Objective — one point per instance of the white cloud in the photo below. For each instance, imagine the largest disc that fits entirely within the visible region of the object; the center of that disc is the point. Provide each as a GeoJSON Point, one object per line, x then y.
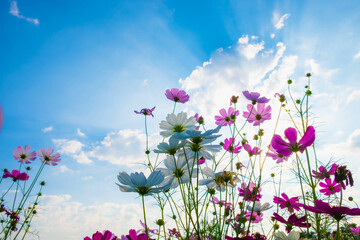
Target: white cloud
{"type": "Point", "coordinates": [125, 147]}
{"type": "Point", "coordinates": [279, 21]}
{"type": "Point", "coordinates": [14, 10]}
{"type": "Point", "coordinates": [272, 36]}
{"type": "Point", "coordinates": [354, 95]}
{"type": "Point", "coordinates": [59, 217]}
{"type": "Point", "coordinates": [47, 129]}
{"type": "Point", "coordinates": [316, 69]}
{"type": "Point", "coordinates": [79, 133]}
{"type": "Point", "coordinates": [234, 70]}
{"type": "Point", "coordinates": [357, 55]}
{"type": "Point", "coordinates": [72, 148]}
{"type": "Point", "coordinates": [64, 168]}
{"type": "Point", "coordinates": [145, 82]}
{"type": "Point", "coordinates": [87, 178]}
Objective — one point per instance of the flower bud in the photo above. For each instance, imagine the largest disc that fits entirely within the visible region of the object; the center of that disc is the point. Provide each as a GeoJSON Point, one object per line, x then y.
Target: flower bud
{"type": "Point", "coordinates": [28, 168]}
{"type": "Point", "coordinates": [147, 152]}
{"type": "Point", "coordinates": [351, 199]}
{"type": "Point", "coordinates": [160, 222]}
{"type": "Point", "coordinates": [289, 81]}
{"type": "Point", "coordinates": [308, 74]}
{"type": "Point", "coordinates": [42, 183]}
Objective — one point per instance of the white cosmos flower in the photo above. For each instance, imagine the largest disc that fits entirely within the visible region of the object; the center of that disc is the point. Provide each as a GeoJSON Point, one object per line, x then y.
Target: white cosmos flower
{"type": "Point", "coordinates": [258, 207]}
{"type": "Point", "coordinates": [177, 169]}
{"type": "Point", "coordinates": [177, 123]}
{"type": "Point", "coordinates": [293, 235]}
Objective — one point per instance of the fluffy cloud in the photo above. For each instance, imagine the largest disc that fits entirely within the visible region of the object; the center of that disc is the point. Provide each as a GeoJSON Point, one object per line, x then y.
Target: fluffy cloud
{"type": "Point", "coordinates": [357, 55]}
{"type": "Point", "coordinates": [79, 133]}
{"type": "Point", "coordinates": [47, 129]}
{"type": "Point", "coordinates": [354, 95]}
{"type": "Point", "coordinates": [315, 69]}
{"type": "Point", "coordinates": [72, 148]}
{"type": "Point", "coordinates": [59, 212]}
{"type": "Point", "coordinates": [246, 66]}
{"type": "Point", "coordinates": [14, 10]}
{"type": "Point", "coordinates": [125, 147]}
{"type": "Point", "coordinates": [279, 21]}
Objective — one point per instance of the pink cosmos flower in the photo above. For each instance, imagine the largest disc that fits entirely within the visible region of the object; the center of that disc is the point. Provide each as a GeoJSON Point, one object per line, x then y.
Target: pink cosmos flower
{"type": "Point", "coordinates": [293, 220]}
{"type": "Point", "coordinates": [134, 236]}
{"type": "Point", "coordinates": [16, 175]}
{"type": "Point", "coordinates": [153, 231]}
{"type": "Point", "coordinates": [329, 187]}
{"type": "Point", "coordinates": [355, 230]}
{"type": "Point", "coordinates": [146, 111]}
{"type": "Point", "coordinates": [230, 147]}
{"type": "Point", "coordinates": [285, 202]}
{"type": "Point", "coordinates": [276, 156]}
{"type": "Point", "coordinates": [323, 173]}
{"type": "Point", "coordinates": [250, 193]}
{"type": "Point", "coordinates": [215, 200]}
{"type": "Point", "coordinates": [177, 95]}
{"type": "Point", "coordinates": [252, 151]}
{"type": "Point", "coordinates": [226, 118]}
{"type": "Point", "coordinates": [335, 211]}
{"type": "Point", "coordinates": [106, 235]}
{"type": "Point", "coordinates": [257, 115]}
{"type": "Point", "coordinates": [23, 156]}
{"type": "Point", "coordinates": [254, 97]}
{"type": "Point", "coordinates": [47, 158]}
{"type": "Point", "coordinates": [286, 149]}
{"type": "Point", "coordinates": [254, 217]}
{"type": "Point", "coordinates": [201, 161]}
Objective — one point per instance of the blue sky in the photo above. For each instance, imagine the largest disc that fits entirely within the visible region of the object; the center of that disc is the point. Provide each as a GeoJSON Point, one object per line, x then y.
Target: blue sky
{"type": "Point", "coordinates": [73, 67]}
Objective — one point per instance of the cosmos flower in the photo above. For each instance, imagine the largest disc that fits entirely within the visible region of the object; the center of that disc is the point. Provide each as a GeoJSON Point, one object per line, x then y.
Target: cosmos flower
{"type": "Point", "coordinates": [286, 149]}
{"type": "Point", "coordinates": [16, 175]}
{"type": "Point", "coordinates": [258, 207]}
{"type": "Point", "coordinates": [293, 220]}
{"type": "Point", "coordinates": [255, 236]}
{"type": "Point", "coordinates": [23, 155]}
{"type": "Point", "coordinates": [343, 176]}
{"type": "Point", "coordinates": [323, 173]}
{"type": "Point", "coordinates": [177, 95]}
{"type": "Point", "coordinates": [355, 231]}
{"type": "Point", "coordinates": [276, 156]}
{"type": "Point", "coordinates": [106, 235]}
{"type": "Point", "coordinates": [336, 212]}
{"type": "Point", "coordinates": [153, 231]}
{"type": "Point", "coordinates": [230, 147]}
{"type": "Point", "coordinates": [198, 143]}
{"type": "Point", "coordinates": [254, 97]}
{"type": "Point", "coordinates": [285, 202]}
{"type": "Point", "coordinates": [47, 158]}
{"type": "Point", "coordinates": [201, 160]}
{"type": "Point", "coordinates": [257, 115]}
{"type": "Point", "coordinates": [216, 201]}
{"type": "Point", "coordinates": [146, 111]}
{"type": "Point", "coordinates": [329, 187]}
{"type": "Point", "coordinates": [250, 193]}
{"type": "Point", "coordinates": [234, 99]}
{"type": "Point", "coordinates": [293, 235]}
{"type": "Point", "coordinates": [177, 170]}
{"type": "Point", "coordinates": [170, 148]}
{"type": "Point", "coordinates": [137, 182]}
{"type": "Point", "coordinates": [176, 123]}
{"type": "Point", "coordinates": [252, 151]}
{"type": "Point", "coordinates": [133, 235]}
{"type": "Point", "coordinates": [218, 180]}
{"type": "Point", "coordinates": [226, 118]}
{"type": "Point", "coordinates": [254, 217]}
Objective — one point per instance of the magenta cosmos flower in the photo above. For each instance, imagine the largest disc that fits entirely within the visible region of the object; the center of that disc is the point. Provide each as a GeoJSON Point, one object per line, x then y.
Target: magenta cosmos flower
{"type": "Point", "coordinates": [177, 95]}
{"type": "Point", "coordinates": [329, 187]}
{"type": "Point", "coordinates": [252, 151]}
{"type": "Point", "coordinates": [16, 175]}
{"type": "Point", "coordinates": [285, 202]}
{"type": "Point", "coordinates": [276, 156]}
{"type": "Point", "coordinates": [293, 220]}
{"type": "Point", "coordinates": [47, 158]}
{"type": "Point", "coordinates": [287, 148]}
{"type": "Point", "coordinates": [23, 155]}
{"type": "Point", "coordinates": [323, 173]}
{"type": "Point", "coordinates": [254, 217]}
{"type": "Point", "coordinates": [336, 212]}
{"type": "Point", "coordinates": [254, 97]}
{"type": "Point", "coordinates": [106, 235]}
{"type": "Point", "coordinates": [254, 236]}
{"type": "Point", "coordinates": [230, 146]}
{"type": "Point", "coordinates": [257, 115]}
{"type": "Point", "coordinates": [216, 201]}
{"type": "Point", "coordinates": [355, 231]}
{"type": "Point", "coordinates": [250, 193]}
{"type": "Point", "coordinates": [226, 118]}
{"type": "Point", "coordinates": [146, 111]}
{"type": "Point", "coordinates": [134, 236]}
{"type": "Point", "coordinates": [201, 161]}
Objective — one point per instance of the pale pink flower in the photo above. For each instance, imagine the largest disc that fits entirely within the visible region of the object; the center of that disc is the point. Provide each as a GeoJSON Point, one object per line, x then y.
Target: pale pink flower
{"type": "Point", "coordinates": [47, 158]}
{"type": "Point", "coordinates": [23, 155]}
